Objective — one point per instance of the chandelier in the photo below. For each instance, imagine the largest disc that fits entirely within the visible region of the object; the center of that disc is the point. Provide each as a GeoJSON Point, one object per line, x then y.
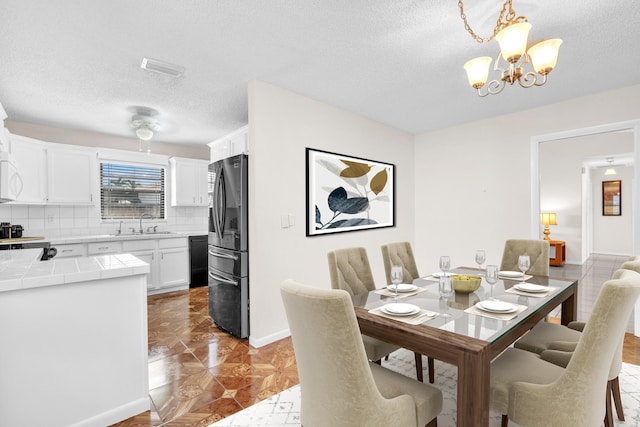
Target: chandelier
{"type": "Point", "coordinates": [511, 33]}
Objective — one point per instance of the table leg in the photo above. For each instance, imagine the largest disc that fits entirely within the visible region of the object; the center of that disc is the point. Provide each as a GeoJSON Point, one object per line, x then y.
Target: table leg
{"type": "Point", "coordinates": [570, 307]}
{"type": "Point", "coordinates": [473, 389]}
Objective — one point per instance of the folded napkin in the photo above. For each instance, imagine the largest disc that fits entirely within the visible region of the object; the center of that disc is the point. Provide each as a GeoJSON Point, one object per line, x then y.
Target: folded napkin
{"type": "Point", "coordinates": [387, 293]}
{"type": "Point", "coordinates": [499, 316]}
{"type": "Point", "coordinates": [531, 294]}
{"type": "Point", "coordinates": [514, 278]}
{"type": "Point", "coordinates": [415, 319]}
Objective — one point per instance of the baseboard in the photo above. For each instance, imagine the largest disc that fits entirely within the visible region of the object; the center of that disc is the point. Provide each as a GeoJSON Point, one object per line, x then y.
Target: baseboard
{"type": "Point", "coordinates": [116, 415]}
{"type": "Point", "coordinates": [262, 341]}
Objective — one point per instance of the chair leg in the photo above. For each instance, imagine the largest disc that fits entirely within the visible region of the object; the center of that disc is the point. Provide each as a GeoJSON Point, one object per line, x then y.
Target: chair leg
{"type": "Point", "coordinates": [433, 423]}
{"type": "Point", "coordinates": [432, 370]}
{"type": "Point", "coordinates": [614, 385]}
{"type": "Point", "coordinates": [608, 415]}
{"type": "Point", "coordinates": [379, 362]}
{"type": "Point", "coordinates": [505, 420]}
{"type": "Point", "coordinates": [418, 358]}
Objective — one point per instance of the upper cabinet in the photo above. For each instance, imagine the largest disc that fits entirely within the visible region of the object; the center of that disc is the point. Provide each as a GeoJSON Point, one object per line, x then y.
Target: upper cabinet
{"type": "Point", "coordinates": [52, 173]}
{"type": "Point", "coordinates": [189, 180]}
{"type": "Point", "coordinates": [231, 145]}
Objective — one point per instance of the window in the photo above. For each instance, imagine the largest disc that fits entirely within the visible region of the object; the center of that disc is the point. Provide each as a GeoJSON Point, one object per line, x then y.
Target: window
{"type": "Point", "coordinates": [128, 191]}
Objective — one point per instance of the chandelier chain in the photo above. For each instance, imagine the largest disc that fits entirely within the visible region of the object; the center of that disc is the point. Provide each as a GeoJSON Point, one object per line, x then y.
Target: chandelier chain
{"type": "Point", "coordinates": [506, 18]}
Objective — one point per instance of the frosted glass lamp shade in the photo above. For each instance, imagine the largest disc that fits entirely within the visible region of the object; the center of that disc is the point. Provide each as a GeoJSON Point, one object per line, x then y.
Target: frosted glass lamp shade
{"type": "Point", "coordinates": [513, 41]}
{"type": "Point", "coordinates": [544, 55]}
{"type": "Point", "coordinates": [478, 71]}
{"type": "Point", "coordinates": [144, 133]}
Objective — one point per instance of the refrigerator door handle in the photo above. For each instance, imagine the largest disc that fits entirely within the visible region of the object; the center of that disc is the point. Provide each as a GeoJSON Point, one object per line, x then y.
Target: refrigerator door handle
{"type": "Point", "coordinates": [219, 255]}
{"type": "Point", "coordinates": [222, 279]}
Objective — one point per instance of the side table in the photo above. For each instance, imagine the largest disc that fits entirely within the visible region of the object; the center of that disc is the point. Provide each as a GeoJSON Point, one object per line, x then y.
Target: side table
{"type": "Point", "coordinates": [557, 252]}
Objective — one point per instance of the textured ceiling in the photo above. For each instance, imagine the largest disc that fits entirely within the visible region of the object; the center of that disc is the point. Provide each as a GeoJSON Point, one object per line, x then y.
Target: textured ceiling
{"type": "Point", "coordinates": [76, 63]}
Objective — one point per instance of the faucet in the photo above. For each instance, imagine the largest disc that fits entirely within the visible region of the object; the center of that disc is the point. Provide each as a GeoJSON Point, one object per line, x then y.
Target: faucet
{"type": "Point", "coordinates": [119, 229]}
{"type": "Point", "coordinates": [142, 216]}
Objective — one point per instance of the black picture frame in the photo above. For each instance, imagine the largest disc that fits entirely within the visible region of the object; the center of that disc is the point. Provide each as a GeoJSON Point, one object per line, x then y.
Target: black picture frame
{"type": "Point", "coordinates": [347, 193]}
{"type": "Point", "coordinates": [612, 198]}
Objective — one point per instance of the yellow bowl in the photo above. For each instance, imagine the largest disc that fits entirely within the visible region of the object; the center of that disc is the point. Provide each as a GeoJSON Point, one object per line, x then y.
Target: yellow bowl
{"type": "Point", "coordinates": [466, 283]}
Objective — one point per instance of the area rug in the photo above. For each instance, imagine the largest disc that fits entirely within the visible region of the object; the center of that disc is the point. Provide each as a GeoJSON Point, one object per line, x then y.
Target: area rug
{"type": "Point", "coordinates": [283, 409]}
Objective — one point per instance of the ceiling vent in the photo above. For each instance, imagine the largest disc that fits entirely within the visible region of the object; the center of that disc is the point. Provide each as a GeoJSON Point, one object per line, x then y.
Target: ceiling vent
{"type": "Point", "coordinates": [162, 67]}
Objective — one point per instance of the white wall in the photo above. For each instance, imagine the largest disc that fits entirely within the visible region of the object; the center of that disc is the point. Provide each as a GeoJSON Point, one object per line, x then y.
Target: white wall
{"type": "Point", "coordinates": [476, 191]}
{"type": "Point", "coordinates": [281, 125]}
{"type": "Point", "coordinates": [612, 233]}
{"type": "Point", "coordinates": [561, 165]}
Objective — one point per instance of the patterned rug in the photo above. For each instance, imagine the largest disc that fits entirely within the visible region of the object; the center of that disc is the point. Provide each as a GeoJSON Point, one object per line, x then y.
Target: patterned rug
{"type": "Point", "coordinates": [283, 409]}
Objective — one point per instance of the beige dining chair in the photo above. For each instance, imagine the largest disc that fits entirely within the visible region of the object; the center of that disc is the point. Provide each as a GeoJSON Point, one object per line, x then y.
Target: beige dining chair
{"type": "Point", "coordinates": [555, 343]}
{"type": "Point", "coordinates": [401, 253]}
{"type": "Point", "coordinates": [339, 387]}
{"type": "Point", "coordinates": [534, 392]}
{"type": "Point", "coordinates": [349, 270]}
{"type": "Point", "coordinates": [538, 251]}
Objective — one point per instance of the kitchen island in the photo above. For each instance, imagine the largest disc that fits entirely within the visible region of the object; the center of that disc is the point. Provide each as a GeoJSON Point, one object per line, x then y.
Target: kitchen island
{"type": "Point", "coordinates": [74, 339]}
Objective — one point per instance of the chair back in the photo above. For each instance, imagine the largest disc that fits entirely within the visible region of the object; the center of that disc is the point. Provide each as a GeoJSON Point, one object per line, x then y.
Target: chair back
{"type": "Point", "coordinates": [400, 253]}
{"type": "Point", "coordinates": [538, 251]}
{"type": "Point", "coordinates": [577, 395]}
{"type": "Point", "coordinates": [336, 382]}
{"type": "Point", "coordinates": [350, 270]}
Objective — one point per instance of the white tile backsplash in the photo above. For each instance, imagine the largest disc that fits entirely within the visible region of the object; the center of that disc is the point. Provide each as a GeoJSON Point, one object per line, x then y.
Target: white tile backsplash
{"type": "Point", "coordinates": [57, 221]}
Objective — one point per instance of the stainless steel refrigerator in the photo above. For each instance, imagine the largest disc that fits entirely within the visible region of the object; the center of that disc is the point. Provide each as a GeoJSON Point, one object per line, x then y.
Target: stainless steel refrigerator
{"type": "Point", "coordinates": [228, 257]}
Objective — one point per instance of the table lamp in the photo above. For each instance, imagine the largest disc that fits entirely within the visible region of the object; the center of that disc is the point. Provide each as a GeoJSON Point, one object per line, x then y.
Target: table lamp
{"type": "Point", "coordinates": [547, 219]}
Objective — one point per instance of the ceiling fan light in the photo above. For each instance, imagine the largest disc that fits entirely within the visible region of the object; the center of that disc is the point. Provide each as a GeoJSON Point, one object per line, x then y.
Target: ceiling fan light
{"type": "Point", "coordinates": [544, 55]}
{"type": "Point", "coordinates": [478, 71]}
{"type": "Point", "coordinates": [144, 133]}
{"type": "Point", "coordinates": [513, 41]}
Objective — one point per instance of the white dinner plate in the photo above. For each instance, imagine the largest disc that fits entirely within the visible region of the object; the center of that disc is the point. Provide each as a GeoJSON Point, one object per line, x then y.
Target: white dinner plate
{"type": "Point", "coordinates": [516, 274]}
{"type": "Point", "coordinates": [494, 306]}
{"type": "Point", "coordinates": [400, 309]}
{"type": "Point", "coordinates": [402, 287]}
{"type": "Point", "coordinates": [531, 287]}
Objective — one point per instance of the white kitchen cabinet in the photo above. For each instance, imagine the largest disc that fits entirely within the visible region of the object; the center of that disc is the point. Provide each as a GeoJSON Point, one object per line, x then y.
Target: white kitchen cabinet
{"type": "Point", "coordinates": [100, 248]}
{"type": "Point", "coordinates": [174, 267]}
{"type": "Point", "coordinates": [71, 174]}
{"type": "Point", "coordinates": [71, 250]}
{"type": "Point", "coordinates": [29, 157]}
{"type": "Point", "coordinates": [230, 145]}
{"type": "Point", "coordinates": [189, 180]}
{"type": "Point", "coordinates": [150, 258]}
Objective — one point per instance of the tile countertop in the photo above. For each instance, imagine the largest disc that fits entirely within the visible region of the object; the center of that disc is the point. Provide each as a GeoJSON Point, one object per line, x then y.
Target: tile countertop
{"type": "Point", "coordinates": [117, 238]}
{"type": "Point", "coordinates": [22, 269]}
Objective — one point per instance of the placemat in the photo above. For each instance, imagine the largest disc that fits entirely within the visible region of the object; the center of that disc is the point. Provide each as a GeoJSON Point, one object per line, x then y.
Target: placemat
{"type": "Point", "coordinates": [499, 316]}
{"type": "Point", "coordinates": [531, 294]}
{"type": "Point", "coordinates": [387, 293]}
{"type": "Point", "coordinates": [418, 318]}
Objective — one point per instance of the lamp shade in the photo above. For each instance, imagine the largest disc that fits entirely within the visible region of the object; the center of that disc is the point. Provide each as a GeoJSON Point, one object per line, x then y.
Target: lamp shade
{"type": "Point", "coordinates": [513, 41]}
{"type": "Point", "coordinates": [478, 71]}
{"type": "Point", "coordinates": [144, 133]}
{"type": "Point", "coordinates": [548, 218]}
{"type": "Point", "coordinates": [544, 55]}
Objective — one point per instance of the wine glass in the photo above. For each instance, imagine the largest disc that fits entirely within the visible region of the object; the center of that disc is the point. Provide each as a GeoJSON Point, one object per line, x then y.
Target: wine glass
{"type": "Point", "coordinates": [445, 264]}
{"type": "Point", "coordinates": [396, 277]}
{"type": "Point", "coordinates": [523, 264]}
{"type": "Point", "coordinates": [445, 287]}
{"type": "Point", "coordinates": [491, 276]}
{"type": "Point", "coordinates": [480, 258]}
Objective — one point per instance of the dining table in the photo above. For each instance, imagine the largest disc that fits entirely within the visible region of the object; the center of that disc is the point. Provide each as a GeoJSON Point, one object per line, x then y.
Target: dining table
{"type": "Point", "coordinates": [455, 331]}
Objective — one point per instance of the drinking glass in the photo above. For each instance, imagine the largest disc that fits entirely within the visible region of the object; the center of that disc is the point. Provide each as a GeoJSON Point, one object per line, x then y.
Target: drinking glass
{"type": "Point", "coordinates": [480, 258]}
{"type": "Point", "coordinates": [445, 264]}
{"type": "Point", "coordinates": [445, 286]}
{"type": "Point", "coordinates": [396, 277]}
{"type": "Point", "coordinates": [491, 276]}
{"type": "Point", "coordinates": [523, 264]}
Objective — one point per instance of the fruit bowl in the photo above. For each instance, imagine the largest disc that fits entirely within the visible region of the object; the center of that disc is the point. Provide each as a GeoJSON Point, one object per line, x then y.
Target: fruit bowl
{"type": "Point", "coordinates": [466, 283]}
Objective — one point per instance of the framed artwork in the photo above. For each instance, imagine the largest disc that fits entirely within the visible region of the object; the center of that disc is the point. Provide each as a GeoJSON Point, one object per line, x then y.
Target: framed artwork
{"type": "Point", "coordinates": [611, 198]}
{"type": "Point", "coordinates": [346, 193]}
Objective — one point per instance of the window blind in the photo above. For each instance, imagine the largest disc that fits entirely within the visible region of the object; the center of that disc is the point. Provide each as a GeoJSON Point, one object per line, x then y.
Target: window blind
{"type": "Point", "coordinates": [128, 191]}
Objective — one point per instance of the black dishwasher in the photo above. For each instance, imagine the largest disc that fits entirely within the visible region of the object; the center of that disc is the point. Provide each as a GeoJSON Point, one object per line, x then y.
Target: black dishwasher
{"type": "Point", "coordinates": [198, 261]}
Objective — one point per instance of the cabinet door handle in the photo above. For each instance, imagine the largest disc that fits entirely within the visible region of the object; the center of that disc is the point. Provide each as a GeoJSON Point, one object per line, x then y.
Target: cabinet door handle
{"type": "Point", "coordinates": [67, 250]}
{"type": "Point", "coordinates": [103, 248]}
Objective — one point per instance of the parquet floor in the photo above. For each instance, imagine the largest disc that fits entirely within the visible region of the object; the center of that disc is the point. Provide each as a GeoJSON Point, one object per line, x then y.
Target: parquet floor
{"type": "Point", "coordinates": [199, 374]}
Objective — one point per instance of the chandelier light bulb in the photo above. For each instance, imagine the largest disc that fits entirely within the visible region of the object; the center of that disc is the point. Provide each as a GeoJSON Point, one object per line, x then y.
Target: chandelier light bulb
{"type": "Point", "coordinates": [544, 55]}
{"type": "Point", "coordinates": [478, 71]}
{"type": "Point", "coordinates": [513, 41]}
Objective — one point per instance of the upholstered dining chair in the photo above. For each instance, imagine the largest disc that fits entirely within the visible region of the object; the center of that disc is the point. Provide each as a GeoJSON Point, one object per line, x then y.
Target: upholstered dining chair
{"type": "Point", "coordinates": [538, 251]}
{"type": "Point", "coordinates": [349, 270]}
{"type": "Point", "coordinates": [339, 387]}
{"type": "Point", "coordinates": [535, 392]}
{"type": "Point", "coordinates": [401, 253]}
{"type": "Point", "coordinates": [555, 343]}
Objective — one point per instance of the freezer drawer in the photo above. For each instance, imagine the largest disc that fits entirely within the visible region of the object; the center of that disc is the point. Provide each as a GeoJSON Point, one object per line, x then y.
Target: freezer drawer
{"type": "Point", "coordinates": [232, 263]}
{"type": "Point", "coordinates": [229, 302]}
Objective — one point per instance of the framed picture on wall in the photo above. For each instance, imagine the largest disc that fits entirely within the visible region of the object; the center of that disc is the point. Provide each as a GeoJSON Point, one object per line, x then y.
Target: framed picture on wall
{"type": "Point", "coordinates": [612, 198]}
{"type": "Point", "coordinates": [346, 193]}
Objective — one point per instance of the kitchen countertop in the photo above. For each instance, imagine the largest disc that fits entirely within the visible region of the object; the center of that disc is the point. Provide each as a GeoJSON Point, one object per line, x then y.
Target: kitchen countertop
{"type": "Point", "coordinates": [22, 269]}
{"type": "Point", "coordinates": [113, 237]}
